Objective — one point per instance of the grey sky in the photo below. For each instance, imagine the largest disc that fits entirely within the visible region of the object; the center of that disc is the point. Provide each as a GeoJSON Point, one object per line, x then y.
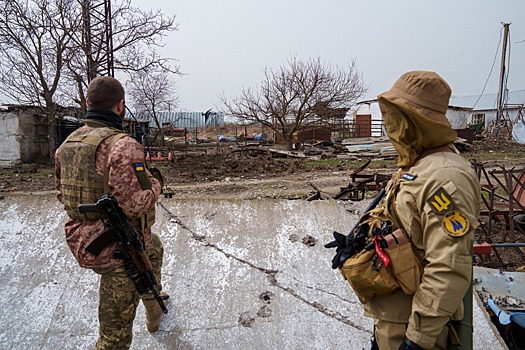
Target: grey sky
{"type": "Point", "coordinates": [223, 45]}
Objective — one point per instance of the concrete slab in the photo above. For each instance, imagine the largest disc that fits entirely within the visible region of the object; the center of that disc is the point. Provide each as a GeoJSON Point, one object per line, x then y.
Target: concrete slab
{"type": "Point", "coordinates": [238, 273]}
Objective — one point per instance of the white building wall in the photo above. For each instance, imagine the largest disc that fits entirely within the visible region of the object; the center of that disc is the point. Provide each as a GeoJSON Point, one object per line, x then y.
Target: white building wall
{"type": "Point", "coordinates": [9, 134]}
{"type": "Point", "coordinates": [458, 118]}
{"type": "Point", "coordinates": [490, 115]}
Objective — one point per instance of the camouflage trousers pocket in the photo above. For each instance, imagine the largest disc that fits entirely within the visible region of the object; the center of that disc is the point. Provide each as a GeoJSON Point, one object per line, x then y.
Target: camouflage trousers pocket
{"type": "Point", "coordinates": [404, 263]}
{"type": "Point", "coordinates": [365, 281]}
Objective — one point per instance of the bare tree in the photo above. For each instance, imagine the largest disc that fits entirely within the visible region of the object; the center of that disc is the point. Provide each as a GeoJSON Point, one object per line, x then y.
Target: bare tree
{"type": "Point", "coordinates": [297, 95]}
{"type": "Point", "coordinates": [43, 57]}
{"type": "Point", "coordinates": [136, 35]}
{"type": "Point", "coordinates": [34, 38]}
{"type": "Point", "coordinates": [152, 92]}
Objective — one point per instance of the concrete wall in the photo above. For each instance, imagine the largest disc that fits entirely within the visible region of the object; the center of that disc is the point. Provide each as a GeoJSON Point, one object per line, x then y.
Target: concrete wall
{"type": "Point", "coordinates": [9, 135]}
{"type": "Point", "coordinates": [33, 149]}
{"type": "Point", "coordinates": [19, 141]}
{"type": "Point", "coordinates": [458, 118]}
{"type": "Point", "coordinates": [240, 274]}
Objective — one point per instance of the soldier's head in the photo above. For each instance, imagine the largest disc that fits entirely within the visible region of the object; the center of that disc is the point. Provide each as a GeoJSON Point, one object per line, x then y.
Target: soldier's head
{"type": "Point", "coordinates": [414, 111]}
{"type": "Point", "coordinates": [106, 93]}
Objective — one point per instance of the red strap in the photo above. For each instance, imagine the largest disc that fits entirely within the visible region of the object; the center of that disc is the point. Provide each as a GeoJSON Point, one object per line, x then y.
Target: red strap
{"type": "Point", "coordinates": [380, 253]}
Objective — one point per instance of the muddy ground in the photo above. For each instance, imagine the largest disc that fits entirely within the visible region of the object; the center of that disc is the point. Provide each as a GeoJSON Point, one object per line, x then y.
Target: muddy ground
{"type": "Point", "coordinates": [230, 171]}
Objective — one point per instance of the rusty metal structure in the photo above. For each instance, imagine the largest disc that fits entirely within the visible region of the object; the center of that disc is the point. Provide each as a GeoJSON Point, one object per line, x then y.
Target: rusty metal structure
{"type": "Point", "coordinates": [360, 183]}
{"type": "Point", "coordinates": [358, 186]}
{"type": "Point", "coordinates": [97, 38]}
{"type": "Point", "coordinates": [503, 203]}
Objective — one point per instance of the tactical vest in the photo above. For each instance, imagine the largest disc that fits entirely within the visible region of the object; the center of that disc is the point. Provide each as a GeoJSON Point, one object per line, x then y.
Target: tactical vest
{"type": "Point", "coordinates": [80, 183]}
{"type": "Point", "coordinates": [387, 263]}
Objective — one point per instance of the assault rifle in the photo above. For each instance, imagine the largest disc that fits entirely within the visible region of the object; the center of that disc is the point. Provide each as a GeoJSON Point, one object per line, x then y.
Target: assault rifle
{"type": "Point", "coordinates": [136, 262]}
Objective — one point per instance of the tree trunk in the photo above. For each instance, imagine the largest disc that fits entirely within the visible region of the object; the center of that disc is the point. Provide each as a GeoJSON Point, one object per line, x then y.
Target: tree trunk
{"type": "Point", "coordinates": [289, 142]}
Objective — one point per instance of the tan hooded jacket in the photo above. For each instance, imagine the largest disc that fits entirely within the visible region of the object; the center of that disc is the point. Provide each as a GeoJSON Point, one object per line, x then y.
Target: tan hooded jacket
{"type": "Point", "coordinates": [436, 186]}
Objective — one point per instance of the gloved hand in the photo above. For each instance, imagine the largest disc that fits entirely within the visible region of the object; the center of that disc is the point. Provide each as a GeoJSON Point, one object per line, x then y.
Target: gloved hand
{"type": "Point", "coordinates": [342, 251]}
{"type": "Point", "coordinates": [359, 241]}
{"type": "Point", "coordinates": [408, 344]}
{"type": "Point", "coordinates": [157, 175]}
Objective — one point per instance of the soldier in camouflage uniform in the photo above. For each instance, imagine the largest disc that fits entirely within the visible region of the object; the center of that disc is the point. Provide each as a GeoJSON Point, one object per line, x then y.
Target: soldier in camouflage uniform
{"type": "Point", "coordinates": [99, 158]}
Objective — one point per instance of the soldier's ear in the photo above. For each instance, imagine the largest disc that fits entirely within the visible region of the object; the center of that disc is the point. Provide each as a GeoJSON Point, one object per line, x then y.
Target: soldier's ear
{"type": "Point", "coordinates": [120, 108]}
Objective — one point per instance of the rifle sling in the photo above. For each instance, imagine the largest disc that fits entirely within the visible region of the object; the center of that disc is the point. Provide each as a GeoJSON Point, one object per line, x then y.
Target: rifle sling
{"type": "Point", "coordinates": [106, 238]}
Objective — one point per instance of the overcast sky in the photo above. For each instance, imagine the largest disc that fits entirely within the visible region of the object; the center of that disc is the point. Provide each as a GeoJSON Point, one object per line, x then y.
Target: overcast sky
{"type": "Point", "coordinates": [223, 45]}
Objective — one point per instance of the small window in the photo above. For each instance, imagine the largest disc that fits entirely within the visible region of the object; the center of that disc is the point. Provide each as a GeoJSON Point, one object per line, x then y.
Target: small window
{"type": "Point", "coordinates": [478, 118]}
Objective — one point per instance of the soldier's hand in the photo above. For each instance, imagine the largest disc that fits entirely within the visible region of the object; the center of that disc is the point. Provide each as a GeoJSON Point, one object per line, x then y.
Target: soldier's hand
{"type": "Point", "coordinates": [408, 344]}
{"type": "Point", "coordinates": [157, 175]}
{"type": "Point", "coordinates": [342, 251]}
{"type": "Point", "coordinates": [155, 172]}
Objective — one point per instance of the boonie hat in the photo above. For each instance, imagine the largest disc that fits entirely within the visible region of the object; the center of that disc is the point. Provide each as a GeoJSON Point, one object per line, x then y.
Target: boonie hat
{"type": "Point", "coordinates": [423, 91]}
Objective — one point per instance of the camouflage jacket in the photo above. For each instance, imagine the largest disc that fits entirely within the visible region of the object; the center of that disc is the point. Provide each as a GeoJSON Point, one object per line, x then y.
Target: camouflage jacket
{"type": "Point", "coordinates": [124, 185]}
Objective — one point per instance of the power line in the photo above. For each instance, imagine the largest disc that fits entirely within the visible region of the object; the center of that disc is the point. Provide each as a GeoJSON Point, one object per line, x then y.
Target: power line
{"type": "Point", "coordinates": [488, 77]}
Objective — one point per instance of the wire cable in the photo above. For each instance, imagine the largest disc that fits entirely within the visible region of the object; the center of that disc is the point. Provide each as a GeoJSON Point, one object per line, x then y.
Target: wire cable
{"type": "Point", "coordinates": [488, 77]}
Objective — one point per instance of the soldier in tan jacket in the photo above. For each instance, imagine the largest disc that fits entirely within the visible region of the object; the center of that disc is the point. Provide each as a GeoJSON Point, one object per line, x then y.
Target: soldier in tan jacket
{"type": "Point", "coordinates": [436, 201]}
{"type": "Point", "coordinates": [99, 158]}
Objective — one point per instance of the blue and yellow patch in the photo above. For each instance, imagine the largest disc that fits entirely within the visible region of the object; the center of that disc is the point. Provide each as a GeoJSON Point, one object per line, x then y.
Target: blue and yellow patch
{"type": "Point", "coordinates": [455, 224]}
{"type": "Point", "coordinates": [441, 202]}
{"type": "Point", "coordinates": [142, 175]}
{"type": "Point", "coordinates": [139, 166]}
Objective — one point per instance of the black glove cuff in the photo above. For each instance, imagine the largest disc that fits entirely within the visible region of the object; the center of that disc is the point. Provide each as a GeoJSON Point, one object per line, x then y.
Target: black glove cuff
{"type": "Point", "coordinates": [408, 344]}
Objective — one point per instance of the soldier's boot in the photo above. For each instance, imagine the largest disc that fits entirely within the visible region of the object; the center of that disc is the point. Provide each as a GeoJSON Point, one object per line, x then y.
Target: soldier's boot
{"type": "Point", "coordinates": [154, 313]}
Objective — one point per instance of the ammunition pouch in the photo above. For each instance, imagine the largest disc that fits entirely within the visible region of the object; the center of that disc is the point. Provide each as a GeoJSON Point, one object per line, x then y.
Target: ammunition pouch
{"type": "Point", "coordinates": [404, 262]}
{"type": "Point", "coordinates": [388, 263]}
{"type": "Point", "coordinates": [366, 281]}
{"type": "Point", "coordinates": [403, 272]}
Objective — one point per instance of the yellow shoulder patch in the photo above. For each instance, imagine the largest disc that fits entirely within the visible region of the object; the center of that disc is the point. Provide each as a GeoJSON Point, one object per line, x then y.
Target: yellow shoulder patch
{"type": "Point", "coordinates": [441, 202]}
{"type": "Point", "coordinates": [455, 224]}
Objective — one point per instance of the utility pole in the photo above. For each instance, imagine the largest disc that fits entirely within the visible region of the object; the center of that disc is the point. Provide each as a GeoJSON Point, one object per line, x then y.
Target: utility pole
{"type": "Point", "coordinates": [501, 92]}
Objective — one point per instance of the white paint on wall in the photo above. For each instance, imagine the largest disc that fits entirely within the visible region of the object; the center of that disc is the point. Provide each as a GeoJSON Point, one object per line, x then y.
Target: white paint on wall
{"type": "Point", "coordinates": [9, 134]}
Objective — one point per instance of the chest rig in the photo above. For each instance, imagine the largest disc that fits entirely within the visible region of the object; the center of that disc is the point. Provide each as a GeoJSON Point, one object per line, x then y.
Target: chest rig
{"type": "Point", "coordinates": [378, 226]}
{"type": "Point", "coordinates": [79, 181]}
{"type": "Point", "coordinates": [384, 262]}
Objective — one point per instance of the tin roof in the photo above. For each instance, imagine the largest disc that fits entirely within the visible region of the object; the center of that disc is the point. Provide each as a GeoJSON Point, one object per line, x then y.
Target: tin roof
{"type": "Point", "coordinates": [487, 101]}
{"type": "Point", "coordinates": [186, 119]}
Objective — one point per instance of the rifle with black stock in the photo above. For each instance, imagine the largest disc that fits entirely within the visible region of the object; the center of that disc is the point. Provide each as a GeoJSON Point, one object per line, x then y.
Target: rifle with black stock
{"type": "Point", "coordinates": [136, 262]}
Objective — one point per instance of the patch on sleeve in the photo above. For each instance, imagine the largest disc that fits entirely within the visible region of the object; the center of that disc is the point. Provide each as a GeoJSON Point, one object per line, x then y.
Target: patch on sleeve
{"type": "Point", "coordinates": [138, 166]}
{"type": "Point", "coordinates": [441, 202]}
{"type": "Point", "coordinates": [455, 224]}
{"type": "Point", "coordinates": [142, 176]}
{"type": "Point", "coordinates": [408, 177]}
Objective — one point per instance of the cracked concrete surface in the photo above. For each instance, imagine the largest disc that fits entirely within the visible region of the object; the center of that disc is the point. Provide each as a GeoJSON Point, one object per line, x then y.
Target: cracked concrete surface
{"type": "Point", "coordinates": [241, 274]}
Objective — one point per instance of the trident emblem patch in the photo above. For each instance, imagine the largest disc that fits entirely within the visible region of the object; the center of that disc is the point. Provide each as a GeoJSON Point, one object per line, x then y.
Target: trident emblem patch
{"type": "Point", "coordinates": [441, 202]}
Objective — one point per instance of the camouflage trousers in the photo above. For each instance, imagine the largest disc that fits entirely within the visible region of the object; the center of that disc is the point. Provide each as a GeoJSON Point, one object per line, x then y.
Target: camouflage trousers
{"type": "Point", "coordinates": [118, 301]}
